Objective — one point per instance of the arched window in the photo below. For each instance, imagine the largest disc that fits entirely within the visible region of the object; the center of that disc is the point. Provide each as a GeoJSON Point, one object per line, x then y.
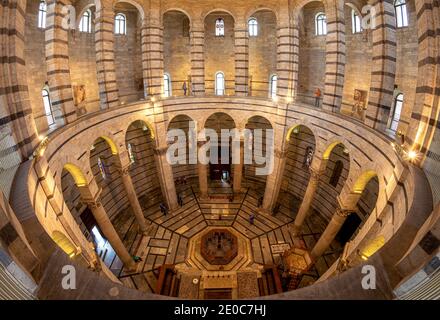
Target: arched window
{"type": "Point", "coordinates": [321, 24]}
{"type": "Point", "coordinates": [85, 24]}
{"type": "Point", "coordinates": [356, 22]}
{"type": "Point", "coordinates": [401, 13]}
{"type": "Point", "coordinates": [47, 107]}
{"type": "Point", "coordinates": [336, 175]}
{"type": "Point", "coordinates": [273, 86]}
{"type": "Point", "coordinates": [219, 83]}
{"type": "Point", "coordinates": [131, 154]}
{"type": "Point", "coordinates": [102, 168]}
{"type": "Point", "coordinates": [253, 27]}
{"type": "Point", "coordinates": [120, 24]}
{"type": "Point", "coordinates": [42, 11]}
{"type": "Point", "coordinates": [398, 104]}
{"type": "Point", "coordinates": [166, 85]}
{"type": "Point", "coordinates": [219, 27]}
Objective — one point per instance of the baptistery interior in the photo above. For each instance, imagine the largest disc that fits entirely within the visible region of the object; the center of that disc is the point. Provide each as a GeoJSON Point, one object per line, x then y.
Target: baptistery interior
{"type": "Point", "coordinates": [209, 149]}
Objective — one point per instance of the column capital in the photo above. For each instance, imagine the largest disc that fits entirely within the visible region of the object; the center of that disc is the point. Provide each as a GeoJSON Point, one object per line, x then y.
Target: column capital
{"type": "Point", "coordinates": [343, 213]}
{"type": "Point", "coordinates": [315, 174]}
{"type": "Point", "coordinates": [160, 151]}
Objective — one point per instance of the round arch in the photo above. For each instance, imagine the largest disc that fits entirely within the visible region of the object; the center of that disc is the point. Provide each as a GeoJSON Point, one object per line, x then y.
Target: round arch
{"type": "Point", "coordinates": [64, 243]}
{"type": "Point", "coordinates": [111, 144]}
{"type": "Point", "coordinates": [134, 4]}
{"type": "Point", "coordinates": [255, 10]}
{"type": "Point", "coordinates": [180, 10]}
{"type": "Point", "coordinates": [296, 127]}
{"type": "Point", "coordinates": [77, 174]}
{"type": "Point", "coordinates": [145, 123]}
{"type": "Point", "coordinates": [205, 14]}
{"type": "Point", "coordinates": [211, 116]}
{"type": "Point", "coordinates": [362, 181]}
{"type": "Point", "coordinates": [179, 117]}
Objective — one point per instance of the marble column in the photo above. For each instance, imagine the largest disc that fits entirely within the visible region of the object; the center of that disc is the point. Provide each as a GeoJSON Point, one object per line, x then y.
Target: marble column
{"type": "Point", "coordinates": [132, 198]}
{"type": "Point", "coordinates": [383, 69]}
{"type": "Point", "coordinates": [109, 232]}
{"type": "Point", "coordinates": [330, 232]}
{"type": "Point", "coordinates": [307, 200]}
{"type": "Point", "coordinates": [202, 171]}
{"type": "Point", "coordinates": [238, 170]}
{"type": "Point", "coordinates": [273, 182]}
{"type": "Point", "coordinates": [285, 61]}
{"type": "Point", "coordinates": [197, 41]}
{"type": "Point", "coordinates": [105, 56]}
{"type": "Point", "coordinates": [166, 177]}
{"type": "Point", "coordinates": [335, 56]}
{"type": "Point", "coordinates": [57, 62]}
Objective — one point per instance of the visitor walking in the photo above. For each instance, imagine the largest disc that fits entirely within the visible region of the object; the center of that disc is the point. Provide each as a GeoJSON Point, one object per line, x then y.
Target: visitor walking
{"type": "Point", "coordinates": [163, 209]}
{"type": "Point", "coordinates": [180, 200]}
{"type": "Point", "coordinates": [251, 218]}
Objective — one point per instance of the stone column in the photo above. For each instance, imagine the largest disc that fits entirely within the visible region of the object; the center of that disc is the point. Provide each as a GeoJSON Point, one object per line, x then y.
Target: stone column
{"type": "Point", "coordinates": [285, 61]}
{"type": "Point", "coordinates": [295, 57]}
{"type": "Point", "coordinates": [105, 55]}
{"type": "Point", "coordinates": [90, 193]}
{"type": "Point", "coordinates": [241, 38]}
{"type": "Point", "coordinates": [202, 171]}
{"type": "Point", "coordinates": [110, 233]}
{"type": "Point", "coordinates": [273, 182]}
{"type": "Point", "coordinates": [132, 198]}
{"type": "Point", "coordinates": [197, 40]}
{"type": "Point", "coordinates": [330, 232]}
{"type": "Point", "coordinates": [16, 111]}
{"type": "Point", "coordinates": [57, 62]}
{"type": "Point", "coordinates": [144, 57]}
{"type": "Point", "coordinates": [335, 55]}
{"type": "Point", "coordinates": [152, 56]}
{"type": "Point", "coordinates": [307, 200]}
{"type": "Point", "coordinates": [238, 170]}
{"type": "Point", "coordinates": [424, 112]}
{"type": "Point", "coordinates": [383, 73]}
{"type": "Point", "coordinates": [166, 177]}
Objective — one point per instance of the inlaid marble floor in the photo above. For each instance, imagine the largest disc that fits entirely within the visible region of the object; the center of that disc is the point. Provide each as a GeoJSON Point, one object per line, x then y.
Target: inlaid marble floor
{"type": "Point", "coordinates": [169, 235]}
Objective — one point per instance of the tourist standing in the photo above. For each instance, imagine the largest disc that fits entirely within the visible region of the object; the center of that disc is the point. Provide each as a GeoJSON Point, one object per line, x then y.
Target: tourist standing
{"type": "Point", "coordinates": [317, 97]}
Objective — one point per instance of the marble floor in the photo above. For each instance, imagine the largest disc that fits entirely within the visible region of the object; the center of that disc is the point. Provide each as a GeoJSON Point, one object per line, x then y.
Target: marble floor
{"type": "Point", "coordinates": [169, 235]}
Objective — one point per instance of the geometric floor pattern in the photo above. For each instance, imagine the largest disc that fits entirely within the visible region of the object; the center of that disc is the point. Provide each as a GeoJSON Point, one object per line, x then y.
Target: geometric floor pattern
{"type": "Point", "coordinates": [169, 235]}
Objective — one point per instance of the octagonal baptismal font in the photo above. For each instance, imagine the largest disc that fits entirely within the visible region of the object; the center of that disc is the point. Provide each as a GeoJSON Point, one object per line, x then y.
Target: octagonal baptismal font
{"type": "Point", "coordinates": [219, 246]}
{"type": "Point", "coordinates": [219, 249]}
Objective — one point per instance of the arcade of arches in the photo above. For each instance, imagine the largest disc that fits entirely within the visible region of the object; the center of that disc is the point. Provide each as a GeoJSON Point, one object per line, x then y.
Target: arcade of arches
{"type": "Point", "coordinates": [349, 89]}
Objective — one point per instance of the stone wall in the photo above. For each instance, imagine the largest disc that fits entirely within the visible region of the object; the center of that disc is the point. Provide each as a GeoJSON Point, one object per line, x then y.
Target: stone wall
{"type": "Point", "coordinates": [311, 53]}
{"type": "Point", "coordinates": [263, 53]}
{"type": "Point", "coordinates": [219, 53]}
{"type": "Point", "coordinates": [177, 60]}
{"type": "Point", "coordinates": [296, 175]}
